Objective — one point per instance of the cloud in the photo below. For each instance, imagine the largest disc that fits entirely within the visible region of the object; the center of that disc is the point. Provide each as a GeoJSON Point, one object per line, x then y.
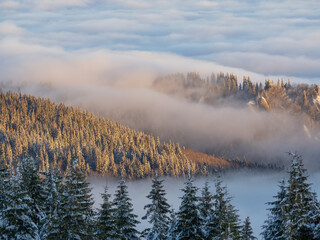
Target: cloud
{"type": "Point", "coordinates": [9, 5]}
{"type": "Point", "coordinates": [55, 4]}
{"type": "Point", "coordinates": [9, 28]}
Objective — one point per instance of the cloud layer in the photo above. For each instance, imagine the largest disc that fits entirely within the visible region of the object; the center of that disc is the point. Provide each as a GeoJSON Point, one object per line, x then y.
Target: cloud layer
{"type": "Point", "coordinates": [271, 38]}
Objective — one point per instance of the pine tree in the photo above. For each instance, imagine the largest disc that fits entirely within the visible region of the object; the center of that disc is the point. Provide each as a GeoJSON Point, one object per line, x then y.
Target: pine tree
{"type": "Point", "coordinates": [125, 220]}
{"type": "Point", "coordinates": [76, 207]}
{"type": "Point", "coordinates": [33, 185]}
{"type": "Point", "coordinates": [227, 223]}
{"type": "Point", "coordinates": [302, 207]}
{"type": "Point", "coordinates": [106, 223]}
{"type": "Point", "coordinates": [275, 225]}
{"type": "Point", "coordinates": [246, 232]}
{"type": "Point", "coordinates": [17, 219]}
{"type": "Point", "coordinates": [53, 197]}
{"type": "Point", "coordinates": [157, 212]}
{"type": "Point", "coordinates": [189, 223]}
{"type": "Point", "coordinates": [205, 202]}
{"type": "Point", "coordinates": [172, 226]}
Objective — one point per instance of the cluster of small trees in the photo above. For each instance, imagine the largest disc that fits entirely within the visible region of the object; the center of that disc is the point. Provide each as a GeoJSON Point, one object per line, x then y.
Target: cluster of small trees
{"type": "Point", "coordinates": [300, 99]}
{"type": "Point", "coordinates": [45, 205]}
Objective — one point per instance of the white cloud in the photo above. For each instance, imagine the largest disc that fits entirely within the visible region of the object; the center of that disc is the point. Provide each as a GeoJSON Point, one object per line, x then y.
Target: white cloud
{"type": "Point", "coordinates": [9, 5]}
{"type": "Point", "coordinates": [55, 4]}
{"type": "Point", "coordinates": [9, 28]}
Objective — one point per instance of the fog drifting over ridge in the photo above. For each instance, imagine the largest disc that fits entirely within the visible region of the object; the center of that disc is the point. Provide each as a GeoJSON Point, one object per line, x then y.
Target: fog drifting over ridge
{"type": "Point", "coordinates": [103, 55]}
{"type": "Point", "coordinates": [118, 85]}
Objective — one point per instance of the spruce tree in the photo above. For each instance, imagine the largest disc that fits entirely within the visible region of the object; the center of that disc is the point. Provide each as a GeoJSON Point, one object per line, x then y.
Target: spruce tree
{"type": "Point", "coordinates": [205, 202]}
{"type": "Point", "coordinates": [52, 204]}
{"type": "Point", "coordinates": [189, 223]}
{"type": "Point", "coordinates": [17, 218]}
{"type": "Point", "coordinates": [246, 231]}
{"type": "Point", "coordinates": [302, 207]}
{"type": "Point", "coordinates": [125, 220]}
{"type": "Point", "coordinates": [106, 222]}
{"type": "Point", "coordinates": [171, 234]}
{"type": "Point", "coordinates": [157, 212]}
{"type": "Point", "coordinates": [76, 207]}
{"type": "Point", "coordinates": [226, 220]}
{"type": "Point", "coordinates": [275, 225]}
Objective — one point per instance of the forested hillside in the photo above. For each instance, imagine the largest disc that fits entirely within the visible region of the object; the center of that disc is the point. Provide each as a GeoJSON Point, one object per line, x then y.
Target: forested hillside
{"type": "Point", "coordinates": [55, 134]}
{"type": "Point", "coordinates": [225, 89]}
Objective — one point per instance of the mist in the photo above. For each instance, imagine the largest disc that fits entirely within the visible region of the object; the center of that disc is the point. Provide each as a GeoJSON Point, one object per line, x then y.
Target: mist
{"type": "Point", "coordinates": [250, 192]}
{"type": "Point", "coordinates": [118, 86]}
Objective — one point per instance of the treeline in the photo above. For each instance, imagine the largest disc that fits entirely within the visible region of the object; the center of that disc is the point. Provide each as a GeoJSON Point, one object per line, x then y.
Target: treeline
{"type": "Point", "coordinates": [54, 134]}
{"type": "Point", "coordinates": [46, 205]}
{"type": "Point", "coordinates": [281, 95]}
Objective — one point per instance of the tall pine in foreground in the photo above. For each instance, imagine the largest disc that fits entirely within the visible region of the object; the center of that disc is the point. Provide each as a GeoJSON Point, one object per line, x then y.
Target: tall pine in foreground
{"type": "Point", "coordinates": [275, 225]}
{"type": "Point", "coordinates": [302, 206]}
{"type": "Point", "coordinates": [189, 223]}
{"type": "Point", "coordinates": [226, 222]}
{"type": "Point", "coordinates": [157, 212]}
{"type": "Point", "coordinates": [76, 207]}
{"type": "Point", "coordinates": [125, 220]}
{"type": "Point", "coordinates": [105, 228]}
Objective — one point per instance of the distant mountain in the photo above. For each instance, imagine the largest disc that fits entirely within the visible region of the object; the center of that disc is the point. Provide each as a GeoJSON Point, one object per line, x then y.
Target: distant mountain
{"type": "Point", "coordinates": [54, 134]}
{"type": "Point", "coordinates": [225, 89]}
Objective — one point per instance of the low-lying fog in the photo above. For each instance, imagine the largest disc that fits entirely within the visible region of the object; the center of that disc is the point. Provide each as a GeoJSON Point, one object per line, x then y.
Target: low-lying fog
{"type": "Point", "coordinates": [250, 191]}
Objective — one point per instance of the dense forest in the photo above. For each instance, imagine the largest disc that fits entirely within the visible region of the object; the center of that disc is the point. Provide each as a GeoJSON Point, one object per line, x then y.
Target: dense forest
{"type": "Point", "coordinates": [55, 134]}
{"type": "Point", "coordinates": [225, 89]}
{"type": "Point", "coordinates": [46, 205]}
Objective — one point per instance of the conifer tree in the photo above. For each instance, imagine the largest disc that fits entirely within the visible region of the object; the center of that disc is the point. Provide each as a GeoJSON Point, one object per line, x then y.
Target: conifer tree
{"type": "Point", "coordinates": [157, 212]}
{"type": "Point", "coordinates": [31, 183]}
{"type": "Point", "coordinates": [125, 220]}
{"type": "Point", "coordinates": [106, 223]}
{"type": "Point", "coordinates": [189, 223]}
{"type": "Point", "coordinates": [246, 231]}
{"type": "Point", "coordinates": [227, 223]}
{"type": "Point", "coordinates": [171, 234]}
{"type": "Point", "coordinates": [275, 225]}
{"type": "Point", "coordinates": [17, 218]}
{"type": "Point", "coordinates": [205, 202]}
{"type": "Point", "coordinates": [76, 207]}
{"type": "Point", "coordinates": [302, 207]}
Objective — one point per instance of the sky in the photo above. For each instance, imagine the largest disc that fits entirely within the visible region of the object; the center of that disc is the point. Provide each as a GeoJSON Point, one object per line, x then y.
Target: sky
{"type": "Point", "coordinates": [269, 38]}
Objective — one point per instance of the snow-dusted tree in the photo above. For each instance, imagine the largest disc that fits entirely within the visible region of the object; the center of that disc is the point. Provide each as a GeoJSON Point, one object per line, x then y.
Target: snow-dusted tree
{"type": "Point", "coordinates": [171, 234]}
{"type": "Point", "coordinates": [31, 182]}
{"type": "Point", "coordinates": [205, 202]}
{"type": "Point", "coordinates": [53, 195]}
{"type": "Point", "coordinates": [189, 223]}
{"type": "Point", "coordinates": [125, 220]}
{"type": "Point", "coordinates": [226, 220]}
{"type": "Point", "coordinates": [75, 213]}
{"type": "Point", "coordinates": [106, 224]}
{"type": "Point", "coordinates": [302, 207]}
{"type": "Point", "coordinates": [17, 218]}
{"type": "Point", "coordinates": [246, 231]}
{"type": "Point", "coordinates": [275, 225]}
{"type": "Point", "coordinates": [157, 212]}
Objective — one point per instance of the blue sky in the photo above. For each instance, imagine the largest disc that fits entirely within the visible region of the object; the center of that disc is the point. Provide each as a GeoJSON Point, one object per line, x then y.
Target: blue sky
{"type": "Point", "coordinates": [271, 38]}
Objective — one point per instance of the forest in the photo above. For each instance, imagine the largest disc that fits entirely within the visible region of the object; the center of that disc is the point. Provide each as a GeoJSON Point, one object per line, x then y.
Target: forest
{"type": "Point", "coordinates": [48, 205]}
{"type": "Point", "coordinates": [54, 134]}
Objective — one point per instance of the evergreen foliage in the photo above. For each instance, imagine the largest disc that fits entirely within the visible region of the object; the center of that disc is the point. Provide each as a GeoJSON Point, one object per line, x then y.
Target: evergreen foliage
{"type": "Point", "coordinates": [157, 212]}
{"type": "Point", "coordinates": [106, 223]}
{"type": "Point", "coordinates": [125, 220]}
{"type": "Point", "coordinates": [54, 134]}
{"type": "Point", "coordinates": [189, 222]}
{"type": "Point", "coordinates": [225, 220]}
{"type": "Point", "coordinates": [246, 231]}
